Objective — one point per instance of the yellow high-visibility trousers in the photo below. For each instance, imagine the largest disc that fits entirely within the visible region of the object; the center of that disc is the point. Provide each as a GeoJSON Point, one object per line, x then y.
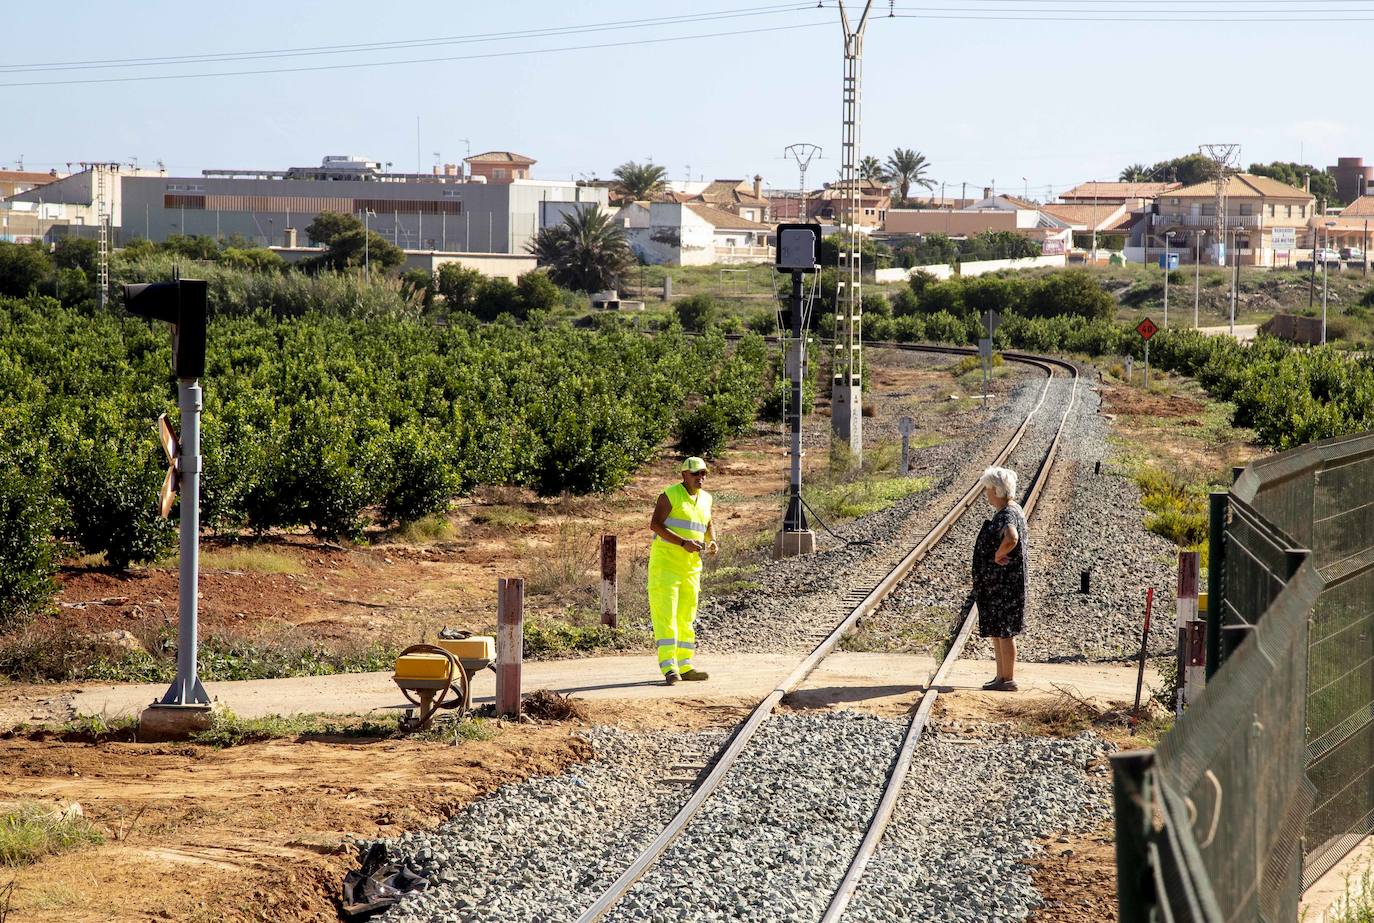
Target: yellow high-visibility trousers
{"type": "Point", "coordinates": [673, 610]}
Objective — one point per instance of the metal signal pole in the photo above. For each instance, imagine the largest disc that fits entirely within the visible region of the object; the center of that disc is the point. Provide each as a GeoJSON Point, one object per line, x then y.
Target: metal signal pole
{"type": "Point", "coordinates": [1222, 157]}
{"type": "Point", "coordinates": [846, 392]}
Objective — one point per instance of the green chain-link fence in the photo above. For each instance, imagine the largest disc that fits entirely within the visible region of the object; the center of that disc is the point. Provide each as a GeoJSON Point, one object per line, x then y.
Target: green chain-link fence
{"type": "Point", "coordinates": [1268, 779]}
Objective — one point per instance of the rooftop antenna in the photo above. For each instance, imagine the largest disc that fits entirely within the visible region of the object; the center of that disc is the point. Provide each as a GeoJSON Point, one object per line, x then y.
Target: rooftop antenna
{"type": "Point", "coordinates": [846, 391]}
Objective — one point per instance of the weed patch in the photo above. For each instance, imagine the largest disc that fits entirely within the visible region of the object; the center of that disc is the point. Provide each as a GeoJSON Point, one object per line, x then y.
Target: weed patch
{"type": "Point", "coordinates": [850, 501]}
{"type": "Point", "coordinates": [433, 528]}
{"type": "Point", "coordinates": [550, 638]}
{"type": "Point", "coordinates": [31, 831]}
{"type": "Point", "coordinates": [229, 730]}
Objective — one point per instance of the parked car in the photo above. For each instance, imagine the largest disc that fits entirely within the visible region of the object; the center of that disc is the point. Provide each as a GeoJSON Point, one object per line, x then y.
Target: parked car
{"type": "Point", "coordinates": [1331, 258]}
{"type": "Point", "coordinates": [1353, 254]}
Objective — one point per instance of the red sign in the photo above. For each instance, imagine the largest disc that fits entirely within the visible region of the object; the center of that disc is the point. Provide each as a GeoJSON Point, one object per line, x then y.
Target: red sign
{"type": "Point", "coordinates": [1146, 328]}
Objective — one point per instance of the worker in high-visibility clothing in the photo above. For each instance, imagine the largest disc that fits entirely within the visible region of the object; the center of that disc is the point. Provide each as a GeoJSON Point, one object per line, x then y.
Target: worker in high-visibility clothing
{"type": "Point", "coordinates": [682, 531]}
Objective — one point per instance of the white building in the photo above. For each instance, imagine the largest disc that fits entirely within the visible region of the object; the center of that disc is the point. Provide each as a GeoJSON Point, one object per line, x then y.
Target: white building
{"type": "Point", "coordinates": [692, 234]}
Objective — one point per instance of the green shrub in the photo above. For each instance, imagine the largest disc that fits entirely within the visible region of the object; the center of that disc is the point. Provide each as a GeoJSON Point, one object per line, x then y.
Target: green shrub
{"type": "Point", "coordinates": [28, 556]}
{"type": "Point", "coordinates": [417, 479]}
{"type": "Point", "coordinates": [109, 483]}
{"type": "Point", "coordinates": [537, 292]}
{"type": "Point", "coordinates": [703, 431]}
{"type": "Point", "coordinates": [696, 312]}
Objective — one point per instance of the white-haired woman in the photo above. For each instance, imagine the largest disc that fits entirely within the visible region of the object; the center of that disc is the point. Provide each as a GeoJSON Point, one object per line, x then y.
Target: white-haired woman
{"type": "Point", "coordinates": [1001, 574]}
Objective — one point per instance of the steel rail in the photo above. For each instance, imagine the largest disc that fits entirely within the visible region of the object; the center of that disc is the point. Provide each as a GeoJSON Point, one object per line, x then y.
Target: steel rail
{"type": "Point", "coordinates": [612, 895]}
{"type": "Point", "coordinates": [902, 765]}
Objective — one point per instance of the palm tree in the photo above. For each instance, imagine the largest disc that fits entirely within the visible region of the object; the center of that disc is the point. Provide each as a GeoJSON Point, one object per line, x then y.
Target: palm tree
{"type": "Point", "coordinates": [871, 169]}
{"type": "Point", "coordinates": [907, 168]}
{"type": "Point", "coordinates": [636, 181]}
{"type": "Point", "coordinates": [1135, 173]}
{"type": "Point", "coordinates": [586, 253]}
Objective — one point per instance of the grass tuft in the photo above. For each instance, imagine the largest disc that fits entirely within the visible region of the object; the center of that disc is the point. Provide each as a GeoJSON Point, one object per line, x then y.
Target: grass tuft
{"type": "Point", "coordinates": [838, 502]}
{"type": "Point", "coordinates": [433, 528]}
{"type": "Point", "coordinates": [252, 560]}
{"type": "Point", "coordinates": [31, 831]}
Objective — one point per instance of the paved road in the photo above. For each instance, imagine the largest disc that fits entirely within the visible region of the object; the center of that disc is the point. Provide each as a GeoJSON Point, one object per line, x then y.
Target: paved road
{"type": "Point", "coordinates": [1244, 332]}
{"type": "Point", "coordinates": [842, 678]}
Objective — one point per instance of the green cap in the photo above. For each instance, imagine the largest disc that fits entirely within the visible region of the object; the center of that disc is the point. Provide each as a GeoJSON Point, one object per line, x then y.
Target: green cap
{"type": "Point", "coordinates": [694, 464]}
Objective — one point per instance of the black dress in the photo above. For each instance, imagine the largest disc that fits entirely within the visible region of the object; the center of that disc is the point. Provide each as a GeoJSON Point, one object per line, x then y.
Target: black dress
{"type": "Point", "coordinates": [1000, 589]}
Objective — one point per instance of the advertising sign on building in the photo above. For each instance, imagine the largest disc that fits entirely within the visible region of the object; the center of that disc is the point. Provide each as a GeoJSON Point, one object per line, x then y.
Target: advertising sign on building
{"type": "Point", "coordinates": [1052, 246]}
{"type": "Point", "coordinates": [1284, 239]}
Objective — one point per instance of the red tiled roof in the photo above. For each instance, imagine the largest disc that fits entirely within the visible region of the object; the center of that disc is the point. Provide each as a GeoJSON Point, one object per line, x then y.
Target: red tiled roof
{"type": "Point", "coordinates": [499, 157]}
{"type": "Point", "coordinates": [722, 219]}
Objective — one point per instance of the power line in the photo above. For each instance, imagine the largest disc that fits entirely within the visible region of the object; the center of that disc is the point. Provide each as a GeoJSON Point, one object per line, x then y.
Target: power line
{"type": "Point", "coordinates": [306, 51]}
{"type": "Point", "coordinates": [362, 64]}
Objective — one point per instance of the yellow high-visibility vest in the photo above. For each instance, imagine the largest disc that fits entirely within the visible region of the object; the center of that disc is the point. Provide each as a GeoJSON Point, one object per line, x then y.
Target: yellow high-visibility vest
{"type": "Point", "coordinates": [688, 519]}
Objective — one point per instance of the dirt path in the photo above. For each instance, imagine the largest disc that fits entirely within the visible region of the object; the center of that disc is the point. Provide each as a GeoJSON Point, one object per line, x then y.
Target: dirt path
{"type": "Point", "coordinates": [256, 832]}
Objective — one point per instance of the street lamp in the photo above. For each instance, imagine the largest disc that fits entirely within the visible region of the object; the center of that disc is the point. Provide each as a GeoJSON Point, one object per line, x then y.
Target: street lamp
{"type": "Point", "coordinates": [1168, 236]}
{"type": "Point", "coordinates": [1325, 247]}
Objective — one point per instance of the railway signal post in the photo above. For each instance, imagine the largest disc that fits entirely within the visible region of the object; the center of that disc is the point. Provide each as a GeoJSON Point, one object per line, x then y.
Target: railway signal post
{"type": "Point", "coordinates": [185, 707]}
{"type": "Point", "coordinates": [798, 252]}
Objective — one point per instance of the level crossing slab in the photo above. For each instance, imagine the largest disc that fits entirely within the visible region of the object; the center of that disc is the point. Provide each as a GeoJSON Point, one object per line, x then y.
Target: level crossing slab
{"type": "Point", "coordinates": [845, 677]}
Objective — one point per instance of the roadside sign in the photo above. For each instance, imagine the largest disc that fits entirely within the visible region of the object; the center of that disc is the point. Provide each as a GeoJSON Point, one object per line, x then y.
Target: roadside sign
{"type": "Point", "coordinates": [1146, 329]}
{"type": "Point", "coordinates": [985, 347]}
{"type": "Point", "coordinates": [171, 447]}
{"type": "Point", "coordinates": [906, 426]}
{"type": "Point", "coordinates": [1284, 239]}
{"type": "Point", "coordinates": [991, 320]}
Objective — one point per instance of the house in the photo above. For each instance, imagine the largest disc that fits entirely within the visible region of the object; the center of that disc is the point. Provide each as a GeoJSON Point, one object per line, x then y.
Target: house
{"type": "Point", "coordinates": [1349, 229]}
{"type": "Point", "coordinates": [1133, 195]}
{"type": "Point", "coordinates": [1254, 207]}
{"type": "Point", "coordinates": [693, 234]}
{"type": "Point", "coordinates": [13, 182]}
{"type": "Point", "coordinates": [995, 213]}
{"type": "Point", "coordinates": [830, 205]}
{"type": "Point", "coordinates": [499, 166]}
{"type": "Point", "coordinates": [737, 197]}
{"type": "Point", "coordinates": [1094, 224]}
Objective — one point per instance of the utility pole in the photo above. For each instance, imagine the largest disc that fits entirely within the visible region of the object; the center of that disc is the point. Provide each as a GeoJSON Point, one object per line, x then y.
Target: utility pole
{"type": "Point", "coordinates": [846, 391]}
{"type": "Point", "coordinates": [1223, 156]}
{"type": "Point", "coordinates": [802, 153]}
{"type": "Point", "coordinates": [1168, 238]}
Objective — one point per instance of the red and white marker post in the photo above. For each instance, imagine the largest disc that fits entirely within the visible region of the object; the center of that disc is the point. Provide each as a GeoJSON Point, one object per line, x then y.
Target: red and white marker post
{"type": "Point", "coordinates": [510, 643]}
{"type": "Point", "coordinates": [610, 590]}
{"type": "Point", "coordinates": [1192, 633]}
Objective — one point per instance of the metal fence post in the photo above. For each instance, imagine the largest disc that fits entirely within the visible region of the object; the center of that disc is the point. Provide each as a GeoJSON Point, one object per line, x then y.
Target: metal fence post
{"type": "Point", "coordinates": [1216, 564]}
{"type": "Point", "coordinates": [510, 643]}
{"type": "Point", "coordinates": [610, 592]}
{"type": "Point", "coordinates": [1131, 807]}
{"type": "Point", "coordinates": [1190, 677]}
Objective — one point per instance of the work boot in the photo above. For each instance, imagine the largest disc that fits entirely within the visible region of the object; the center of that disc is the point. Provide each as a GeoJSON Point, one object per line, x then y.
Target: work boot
{"type": "Point", "coordinates": [670, 678]}
{"type": "Point", "coordinates": [693, 676]}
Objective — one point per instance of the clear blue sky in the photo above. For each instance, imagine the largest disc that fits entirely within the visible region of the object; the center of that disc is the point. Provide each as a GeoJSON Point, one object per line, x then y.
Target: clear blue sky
{"type": "Point", "coordinates": [1055, 101]}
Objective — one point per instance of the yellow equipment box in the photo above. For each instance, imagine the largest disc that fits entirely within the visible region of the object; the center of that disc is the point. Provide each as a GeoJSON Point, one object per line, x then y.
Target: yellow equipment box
{"type": "Point", "coordinates": [421, 667]}
{"type": "Point", "coordinates": [475, 648]}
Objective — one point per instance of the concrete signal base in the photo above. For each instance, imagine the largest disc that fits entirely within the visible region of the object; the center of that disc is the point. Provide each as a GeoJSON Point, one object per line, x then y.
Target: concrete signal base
{"type": "Point", "coordinates": [161, 723]}
{"type": "Point", "coordinates": [791, 544]}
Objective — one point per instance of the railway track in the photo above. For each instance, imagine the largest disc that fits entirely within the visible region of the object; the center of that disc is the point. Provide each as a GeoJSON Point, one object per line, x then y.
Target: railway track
{"type": "Point", "coordinates": [865, 600]}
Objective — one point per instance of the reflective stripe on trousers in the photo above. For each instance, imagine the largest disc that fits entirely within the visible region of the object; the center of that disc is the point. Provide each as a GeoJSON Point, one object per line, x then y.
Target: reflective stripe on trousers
{"type": "Point", "coordinates": [673, 611]}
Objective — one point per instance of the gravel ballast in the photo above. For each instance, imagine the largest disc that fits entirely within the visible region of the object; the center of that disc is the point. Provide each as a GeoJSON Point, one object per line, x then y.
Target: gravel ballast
{"type": "Point", "coordinates": [971, 811]}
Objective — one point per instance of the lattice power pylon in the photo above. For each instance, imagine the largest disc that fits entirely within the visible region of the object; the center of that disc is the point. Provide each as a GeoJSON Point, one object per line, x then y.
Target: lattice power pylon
{"type": "Point", "coordinates": [102, 220]}
{"type": "Point", "coordinates": [1223, 157]}
{"type": "Point", "coordinates": [846, 391]}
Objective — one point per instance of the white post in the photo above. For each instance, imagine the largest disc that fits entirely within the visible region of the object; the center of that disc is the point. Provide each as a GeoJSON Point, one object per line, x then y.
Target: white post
{"type": "Point", "coordinates": [1168, 236]}
{"type": "Point", "coordinates": [1197, 280]}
